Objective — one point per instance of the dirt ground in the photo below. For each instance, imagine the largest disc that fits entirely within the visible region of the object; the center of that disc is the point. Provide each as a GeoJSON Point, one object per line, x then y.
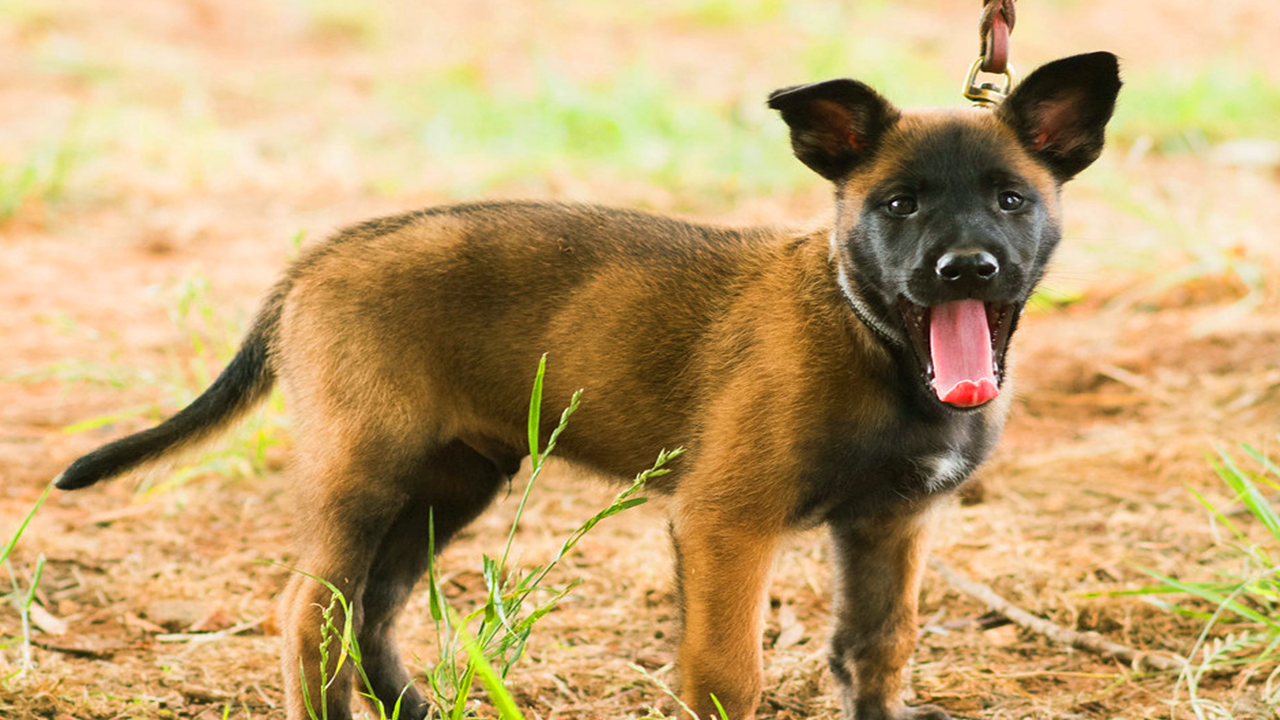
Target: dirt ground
{"type": "Point", "coordinates": [210, 135]}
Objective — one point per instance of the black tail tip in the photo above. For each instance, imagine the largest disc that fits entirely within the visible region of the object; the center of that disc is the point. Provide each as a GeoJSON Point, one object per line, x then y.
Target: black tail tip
{"type": "Point", "coordinates": [75, 477]}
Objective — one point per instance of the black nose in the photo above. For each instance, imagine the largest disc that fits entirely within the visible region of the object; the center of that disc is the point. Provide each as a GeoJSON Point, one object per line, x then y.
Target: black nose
{"type": "Point", "coordinates": [969, 266]}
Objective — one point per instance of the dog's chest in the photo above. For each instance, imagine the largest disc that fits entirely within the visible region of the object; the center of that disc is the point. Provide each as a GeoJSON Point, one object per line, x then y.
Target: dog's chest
{"type": "Point", "coordinates": [853, 470]}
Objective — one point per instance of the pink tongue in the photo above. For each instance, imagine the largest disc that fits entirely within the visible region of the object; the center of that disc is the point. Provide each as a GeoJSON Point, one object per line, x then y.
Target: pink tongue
{"type": "Point", "coordinates": [960, 343]}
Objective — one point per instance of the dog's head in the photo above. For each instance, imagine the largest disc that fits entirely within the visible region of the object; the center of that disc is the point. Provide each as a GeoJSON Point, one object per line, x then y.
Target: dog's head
{"type": "Point", "coordinates": [945, 219]}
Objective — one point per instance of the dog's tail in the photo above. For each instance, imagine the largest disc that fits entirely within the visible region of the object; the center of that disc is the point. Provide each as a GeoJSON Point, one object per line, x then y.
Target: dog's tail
{"type": "Point", "coordinates": [245, 381]}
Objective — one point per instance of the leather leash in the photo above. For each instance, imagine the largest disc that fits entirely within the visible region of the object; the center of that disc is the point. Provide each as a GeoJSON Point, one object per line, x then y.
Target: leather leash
{"type": "Point", "coordinates": [994, 27]}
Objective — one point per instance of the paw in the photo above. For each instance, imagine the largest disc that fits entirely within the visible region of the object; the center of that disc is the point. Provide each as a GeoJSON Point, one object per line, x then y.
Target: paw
{"type": "Point", "coordinates": [871, 710]}
{"type": "Point", "coordinates": [919, 712]}
{"type": "Point", "coordinates": [923, 712]}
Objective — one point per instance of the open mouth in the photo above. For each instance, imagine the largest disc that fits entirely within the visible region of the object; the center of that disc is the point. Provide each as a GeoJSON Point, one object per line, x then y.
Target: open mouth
{"type": "Point", "coordinates": [962, 345]}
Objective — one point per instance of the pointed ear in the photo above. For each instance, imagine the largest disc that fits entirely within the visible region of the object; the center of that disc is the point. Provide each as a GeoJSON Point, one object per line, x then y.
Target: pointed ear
{"type": "Point", "coordinates": [835, 125]}
{"type": "Point", "coordinates": [1060, 111]}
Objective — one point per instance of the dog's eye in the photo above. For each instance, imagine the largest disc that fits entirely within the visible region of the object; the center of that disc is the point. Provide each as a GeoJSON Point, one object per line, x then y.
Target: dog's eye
{"type": "Point", "coordinates": [902, 205]}
{"type": "Point", "coordinates": [1010, 201]}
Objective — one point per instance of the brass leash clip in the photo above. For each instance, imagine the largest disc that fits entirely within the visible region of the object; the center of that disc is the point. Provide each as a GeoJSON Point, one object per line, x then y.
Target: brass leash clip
{"type": "Point", "coordinates": [986, 94]}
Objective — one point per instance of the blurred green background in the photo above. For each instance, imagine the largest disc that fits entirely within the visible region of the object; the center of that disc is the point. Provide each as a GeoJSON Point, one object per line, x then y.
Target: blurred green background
{"type": "Point", "coordinates": [327, 111]}
{"type": "Point", "coordinates": [660, 103]}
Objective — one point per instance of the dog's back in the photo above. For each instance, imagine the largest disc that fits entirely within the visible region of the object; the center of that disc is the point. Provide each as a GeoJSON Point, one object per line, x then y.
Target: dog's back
{"type": "Point", "coordinates": [430, 322]}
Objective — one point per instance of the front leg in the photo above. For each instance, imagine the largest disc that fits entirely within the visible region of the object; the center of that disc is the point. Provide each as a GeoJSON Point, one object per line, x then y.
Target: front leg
{"type": "Point", "coordinates": [879, 560]}
{"type": "Point", "coordinates": [724, 557]}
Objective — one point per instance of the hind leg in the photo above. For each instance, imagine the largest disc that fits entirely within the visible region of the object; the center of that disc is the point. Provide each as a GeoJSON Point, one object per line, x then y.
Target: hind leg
{"type": "Point", "coordinates": [356, 490]}
{"type": "Point", "coordinates": [347, 507]}
{"type": "Point", "coordinates": [456, 484]}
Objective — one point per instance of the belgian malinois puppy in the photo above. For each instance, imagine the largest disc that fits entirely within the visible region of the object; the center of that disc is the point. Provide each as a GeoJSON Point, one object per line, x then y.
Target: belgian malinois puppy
{"type": "Point", "coordinates": [847, 377]}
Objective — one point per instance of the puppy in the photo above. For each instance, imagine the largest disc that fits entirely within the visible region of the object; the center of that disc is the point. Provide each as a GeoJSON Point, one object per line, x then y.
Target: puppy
{"type": "Point", "coordinates": [848, 377]}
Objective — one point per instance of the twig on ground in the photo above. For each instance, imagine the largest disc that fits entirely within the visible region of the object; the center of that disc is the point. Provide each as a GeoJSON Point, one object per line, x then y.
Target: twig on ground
{"type": "Point", "coordinates": [1136, 381]}
{"type": "Point", "coordinates": [200, 693]}
{"type": "Point", "coordinates": [204, 637]}
{"type": "Point", "coordinates": [265, 699]}
{"type": "Point", "coordinates": [1089, 642]}
{"type": "Point", "coordinates": [80, 652]}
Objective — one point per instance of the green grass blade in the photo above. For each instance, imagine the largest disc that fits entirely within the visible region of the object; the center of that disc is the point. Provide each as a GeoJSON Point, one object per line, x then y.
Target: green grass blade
{"type": "Point", "coordinates": [306, 692]}
{"type": "Point", "coordinates": [504, 628]}
{"type": "Point", "coordinates": [498, 693]}
{"type": "Point", "coordinates": [1226, 602]}
{"type": "Point", "coordinates": [535, 411]}
{"type": "Point", "coordinates": [719, 708]}
{"type": "Point", "coordinates": [434, 598]}
{"type": "Point", "coordinates": [572, 407]}
{"type": "Point", "coordinates": [1263, 460]}
{"type": "Point", "coordinates": [1240, 482]}
{"type": "Point", "coordinates": [1160, 589]}
{"type": "Point", "coordinates": [1218, 515]}
{"type": "Point", "coordinates": [665, 688]}
{"type": "Point", "coordinates": [13, 540]}
{"type": "Point", "coordinates": [621, 501]}
{"type": "Point", "coordinates": [464, 685]}
{"type": "Point", "coordinates": [1177, 609]}
{"type": "Point", "coordinates": [35, 582]}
